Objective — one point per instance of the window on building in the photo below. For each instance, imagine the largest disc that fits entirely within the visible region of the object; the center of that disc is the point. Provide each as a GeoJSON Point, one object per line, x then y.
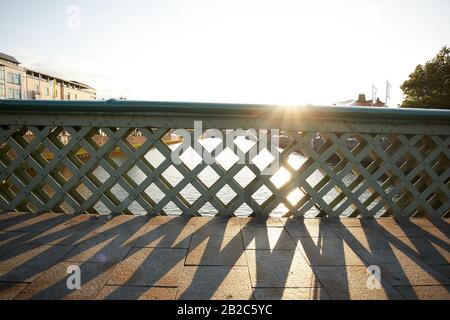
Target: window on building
{"type": "Point", "coordinates": [68, 96]}
{"type": "Point", "coordinates": [76, 97]}
{"type": "Point", "coordinates": [2, 90]}
{"type": "Point", "coordinates": [13, 78]}
{"type": "Point", "coordinates": [14, 94]}
{"type": "Point", "coordinates": [2, 75]}
{"type": "Point", "coordinates": [47, 91]}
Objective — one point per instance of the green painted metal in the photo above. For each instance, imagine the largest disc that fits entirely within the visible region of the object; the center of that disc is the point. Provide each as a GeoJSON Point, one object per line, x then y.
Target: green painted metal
{"type": "Point", "coordinates": [401, 158]}
{"type": "Point", "coordinates": [307, 111]}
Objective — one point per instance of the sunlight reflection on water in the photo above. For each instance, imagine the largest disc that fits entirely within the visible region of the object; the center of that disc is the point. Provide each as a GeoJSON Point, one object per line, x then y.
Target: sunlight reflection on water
{"type": "Point", "coordinates": [208, 176]}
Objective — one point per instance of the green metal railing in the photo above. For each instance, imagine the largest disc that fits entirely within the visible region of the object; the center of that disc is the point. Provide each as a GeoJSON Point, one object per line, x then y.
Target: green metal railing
{"type": "Point", "coordinates": [335, 161]}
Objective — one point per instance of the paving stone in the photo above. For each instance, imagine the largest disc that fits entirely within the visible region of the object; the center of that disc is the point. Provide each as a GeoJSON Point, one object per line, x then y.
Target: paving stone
{"type": "Point", "coordinates": [216, 251]}
{"type": "Point", "coordinates": [261, 222]}
{"type": "Point", "coordinates": [63, 237]}
{"type": "Point", "coordinates": [413, 275]}
{"type": "Point", "coordinates": [279, 269]}
{"type": "Point", "coordinates": [136, 293]}
{"type": "Point", "coordinates": [219, 220]}
{"type": "Point", "coordinates": [391, 221]}
{"type": "Point", "coordinates": [362, 238]}
{"type": "Point", "coordinates": [122, 224]}
{"type": "Point", "coordinates": [425, 292]}
{"type": "Point", "coordinates": [328, 252]}
{"type": "Point", "coordinates": [80, 223]}
{"type": "Point", "coordinates": [31, 222]}
{"type": "Point", "coordinates": [102, 248]}
{"type": "Point", "coordinates": [350, 282]}
{"type": "Point", "coordinates": [6, 216]}
{"type": "Point", "coordinates": [9, 290]}
{"type": "Point", "coordinates": [426, 249]}
{"type": "Point", "coordinates": [441, 223]}
{"type": "Point", "coordinates": [443, 269]}
{"type": "Point", "coordinates": [348, 222]}
{"type": "Point", "coordinates": [429, 250]}
{"type": "Point", "coordinates": [69, 232]}
{"type": "Point", "coordinates": [267, 238]}
{"type": "Point", "coordinates": [26, 262]}
{"type": "Point", "coordinates": [11, 239]}
{"type": "Point", "coordinates": [392, 229]}
{"type": "Point", "coordinates": [215, 282]}
{"type": "Point", "coordinates": [421, 223]}
{"type": "Point", "coordinates": [150, 267]}
{"type": "Point", "coordinates": [222, 226]}
{"type": "Point", "coordinates": [290, 294]}
{"type": "Point", "coordinates": [301, 220]}
{"type": "Point", "coordinates": [8, 220]}
{"type": "Point", "coordinates": [166, 236]}
{"type": "Point", "coordinates": [10, 236]}
{"type": "Point", "coordinates": [388, 256]}
{"type": "Point", "coordinates": [413, 255]}
{"type": "Point", "coordinates": [189, 221]}
{"type": "Point", "coordinates": [439, 234]}
{"type": "Point", "coordinates": [300, 228]}
{"type": "Point", "coordinates": [52, 284]}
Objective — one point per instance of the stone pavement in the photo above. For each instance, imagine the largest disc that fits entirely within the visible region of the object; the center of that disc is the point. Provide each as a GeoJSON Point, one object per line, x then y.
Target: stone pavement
{"type": "Point", "coordinates": [128, 257]}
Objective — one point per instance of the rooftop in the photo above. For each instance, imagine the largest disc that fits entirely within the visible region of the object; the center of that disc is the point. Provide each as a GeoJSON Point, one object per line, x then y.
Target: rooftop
{"type": "Point", "coordinates": [85, 86]}
{"type": "Point", "coordinates": [15, 61]}
{"type": "Point", "coordinates": [9, 58]}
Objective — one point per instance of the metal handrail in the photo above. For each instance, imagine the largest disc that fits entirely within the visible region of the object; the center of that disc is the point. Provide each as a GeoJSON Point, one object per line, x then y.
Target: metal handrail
{"type": "Point", "coordinates": [303, 112]}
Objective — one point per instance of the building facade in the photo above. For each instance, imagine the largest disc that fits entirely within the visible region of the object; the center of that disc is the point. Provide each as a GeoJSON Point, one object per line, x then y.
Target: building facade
{"type": "Point", "coordinates": [361, 102]}
{"type": "Point", "coordinates": [17, 82]}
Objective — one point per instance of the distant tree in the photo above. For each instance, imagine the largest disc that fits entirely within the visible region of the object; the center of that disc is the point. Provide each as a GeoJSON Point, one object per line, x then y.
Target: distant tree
{"type": "Point", "coordinates": [429, 85]}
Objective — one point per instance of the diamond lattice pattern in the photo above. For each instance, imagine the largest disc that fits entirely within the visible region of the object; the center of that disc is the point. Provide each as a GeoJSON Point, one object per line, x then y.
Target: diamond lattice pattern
{"type": "Point", "coordinates": [131, 171]}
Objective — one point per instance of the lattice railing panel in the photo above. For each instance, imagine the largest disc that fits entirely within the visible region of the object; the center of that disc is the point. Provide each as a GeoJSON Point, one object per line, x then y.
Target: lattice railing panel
{"type": "Point", "coordinates": [129, 170]}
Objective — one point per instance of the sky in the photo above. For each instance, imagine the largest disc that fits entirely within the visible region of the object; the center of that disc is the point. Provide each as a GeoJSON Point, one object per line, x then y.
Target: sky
{"type": "Point", "coordinates": [242, 51]}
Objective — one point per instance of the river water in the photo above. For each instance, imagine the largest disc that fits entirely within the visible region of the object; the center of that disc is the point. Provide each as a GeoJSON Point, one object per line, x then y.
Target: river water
{"type": "Point", "coordinates": [208, 176]}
